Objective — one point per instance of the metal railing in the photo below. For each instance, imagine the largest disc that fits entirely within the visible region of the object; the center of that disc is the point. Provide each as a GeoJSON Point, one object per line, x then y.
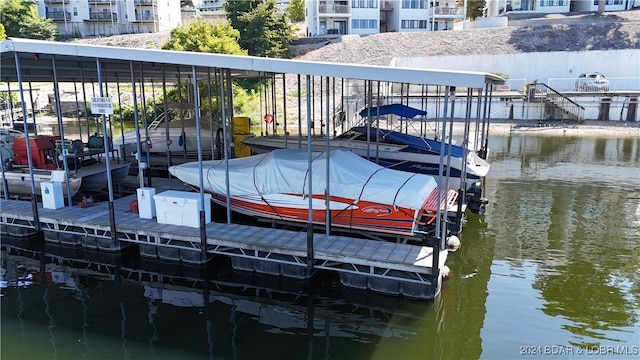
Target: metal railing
{"type": "Point", "coordinates": [146, 17]}
{"type": "Point", "coordinates": [448, 11]}
{"type": "Point", "coordinates": [59, 15]}
{"type": "Point", "coordinates": [555, 99]}
{"type": "Point", "coordinates": [616, 84]}
{"type": "Point", "coordinates": [333, 9]}
{"type": "Point", "coordinates": [103, 16]}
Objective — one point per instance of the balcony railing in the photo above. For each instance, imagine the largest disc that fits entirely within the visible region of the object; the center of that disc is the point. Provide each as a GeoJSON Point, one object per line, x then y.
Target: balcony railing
{"type": "Point", "coordinates": [144, 2]}
{"type": "Point", "coordinates": [47, 2]}
{"type": "Point", "coordinates": [333, 9]}
{"type": "Point", "coordinates": [59, 15]}
{"type": "Point", "coordinates": [447, 11]}
{"type": "Point", "coordinates": [102, 2]}
{"type": "Point", "coordinates": [146, 17]}
{"type": "Point", "coordinates": [103, 16]}
{"type": "Point", "coordinates": [616, 84]}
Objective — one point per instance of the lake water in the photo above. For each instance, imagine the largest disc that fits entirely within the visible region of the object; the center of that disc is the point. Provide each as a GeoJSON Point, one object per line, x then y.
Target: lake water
{"type": "Point", "coordinates": [551, 269]}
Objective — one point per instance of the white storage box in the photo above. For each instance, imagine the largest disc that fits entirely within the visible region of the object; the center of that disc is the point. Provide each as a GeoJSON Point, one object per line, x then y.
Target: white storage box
{"type": "Point", "coordinates": [52, 196]}
{"type": "Point", "coordinates": [181, 208]}
{"type": "Point", "coordinates": [146, 205]}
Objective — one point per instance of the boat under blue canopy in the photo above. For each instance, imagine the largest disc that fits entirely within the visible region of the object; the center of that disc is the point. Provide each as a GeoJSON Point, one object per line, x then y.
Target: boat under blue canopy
{"type": "Point", "coordinates": [396, 109]}
{"type": "Point", "coordinates": [413, 141]}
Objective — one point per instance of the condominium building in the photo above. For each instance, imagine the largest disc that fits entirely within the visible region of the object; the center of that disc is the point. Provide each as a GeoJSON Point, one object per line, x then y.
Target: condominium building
{"type": "Point", "coordinates": [110, 17]}
{"type": "Point", "coordinates": [209, 6]}
{"type": "Point", "coordinates": [559, 6]}
{"type": "Point", "coordinates": [363, 17]}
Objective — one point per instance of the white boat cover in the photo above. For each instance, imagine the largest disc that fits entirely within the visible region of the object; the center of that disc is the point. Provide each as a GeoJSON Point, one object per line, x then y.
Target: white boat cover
{"type": "Point", "coordinates": [285, 171]}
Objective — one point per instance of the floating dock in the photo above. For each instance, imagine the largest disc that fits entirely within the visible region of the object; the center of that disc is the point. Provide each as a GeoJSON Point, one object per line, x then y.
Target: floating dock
{"type": "Point", "coordinates": [385, 267]}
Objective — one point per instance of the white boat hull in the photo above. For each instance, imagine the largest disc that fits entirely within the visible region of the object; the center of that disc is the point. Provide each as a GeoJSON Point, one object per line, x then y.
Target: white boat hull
{"type": "Point", "coordinates": [178, 141]}
{"type": "Point", "coordinates": [19, 182]}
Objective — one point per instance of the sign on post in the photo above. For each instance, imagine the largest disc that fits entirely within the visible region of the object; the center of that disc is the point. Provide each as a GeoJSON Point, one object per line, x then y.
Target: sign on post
{"type": "Point", "coordinates": [101, 106]}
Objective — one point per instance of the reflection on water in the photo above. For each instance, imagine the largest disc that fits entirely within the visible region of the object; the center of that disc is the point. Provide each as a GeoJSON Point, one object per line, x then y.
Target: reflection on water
{"type": "Point", "coordinates": [82, 304]}
{"type": "Point", "coordinates": [556, 257]}
{"type": "Point", "coordinates": [566, 225]}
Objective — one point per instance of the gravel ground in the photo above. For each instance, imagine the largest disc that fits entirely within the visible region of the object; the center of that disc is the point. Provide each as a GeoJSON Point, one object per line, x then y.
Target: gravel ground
{"type": "Point", "coordinates": [525, 33]}
{"type": "Point", "coordinates": [538, 34]}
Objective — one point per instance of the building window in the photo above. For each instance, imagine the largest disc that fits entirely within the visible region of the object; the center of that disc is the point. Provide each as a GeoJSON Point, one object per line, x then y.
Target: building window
{"type": "Point", "coordinates": [414, 4]}
{"type": "Point", "coordinates": [75, 11]}
{"type": "Point", "coordinates": [364, 23]}
{"type": "Point", "coordinates": [364, 4]}
{"type": "Point", "coordinates": [414, 24]}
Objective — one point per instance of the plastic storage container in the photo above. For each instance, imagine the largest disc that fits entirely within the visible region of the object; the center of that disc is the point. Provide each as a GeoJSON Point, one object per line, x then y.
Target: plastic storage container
{"type": "Point", "coordinates": [52, 196]}
{"type": "Point", "coordinates": [181, 208]}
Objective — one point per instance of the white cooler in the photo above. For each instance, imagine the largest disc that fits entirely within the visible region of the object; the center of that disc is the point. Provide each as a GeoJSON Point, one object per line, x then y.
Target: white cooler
{"type": "Point", "coordinates": [52, 196]}
{"type": "Point", "coordinates": [181, 208]}
{"type": "Point", "coordinates": [146, 206]}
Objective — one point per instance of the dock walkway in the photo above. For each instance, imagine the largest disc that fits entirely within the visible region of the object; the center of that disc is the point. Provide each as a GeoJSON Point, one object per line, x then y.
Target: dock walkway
{"type": "Point", "coordinates": [377, 265]}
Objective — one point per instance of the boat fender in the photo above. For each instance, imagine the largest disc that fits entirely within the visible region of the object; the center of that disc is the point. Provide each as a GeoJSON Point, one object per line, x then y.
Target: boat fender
{"type": "Point", "coordinates": [453, 243]}
{"type": "Point", "coordinates": [180, 141]}
{"type": "Point", "coordinates": [133, 206]}
{"type": "Point", "coordinates": [149, 144]}
{"type": "Point", "coordinates": [446, 272]}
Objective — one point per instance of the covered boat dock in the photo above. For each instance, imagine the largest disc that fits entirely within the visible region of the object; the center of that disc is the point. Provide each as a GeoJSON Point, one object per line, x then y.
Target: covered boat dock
{"type": "Point", "coordinates": [327, 97]}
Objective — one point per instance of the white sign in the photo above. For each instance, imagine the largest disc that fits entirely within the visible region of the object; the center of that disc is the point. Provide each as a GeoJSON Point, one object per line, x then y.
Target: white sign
{"type": "Point", "coordinates": [101, 105]}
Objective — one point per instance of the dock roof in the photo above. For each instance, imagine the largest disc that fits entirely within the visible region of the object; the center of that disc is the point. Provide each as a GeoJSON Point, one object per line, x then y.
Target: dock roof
{"type": "Point", "coordinates": [35, 58]}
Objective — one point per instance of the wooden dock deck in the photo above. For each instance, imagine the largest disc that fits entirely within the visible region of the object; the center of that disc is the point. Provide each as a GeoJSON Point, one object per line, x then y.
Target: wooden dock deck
{"type": "Point", "coordinates": [386, 267]}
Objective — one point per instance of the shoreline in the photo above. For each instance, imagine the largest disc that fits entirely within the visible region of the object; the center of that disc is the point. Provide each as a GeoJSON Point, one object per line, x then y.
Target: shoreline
{"type": "Point", "coordinates": [503, 127]}
{"type": "Point", "coordinates": [591, 128]}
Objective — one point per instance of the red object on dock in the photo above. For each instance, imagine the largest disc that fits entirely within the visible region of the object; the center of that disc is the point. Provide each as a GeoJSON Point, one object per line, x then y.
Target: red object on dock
{"type": "Point", "coordinates": [133, 206]}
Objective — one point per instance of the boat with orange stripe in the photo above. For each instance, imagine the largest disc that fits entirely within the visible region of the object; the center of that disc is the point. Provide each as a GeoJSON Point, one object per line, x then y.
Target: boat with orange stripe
{"type": "Point", "coordinates": [351, 193]}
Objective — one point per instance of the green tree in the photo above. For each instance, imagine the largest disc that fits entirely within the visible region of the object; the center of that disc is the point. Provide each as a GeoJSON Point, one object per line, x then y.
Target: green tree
{"type": "Point", "coordinates": [475, 8]}
{"type": "Point", "coordinates": [20, 19]}
{"type": "Point", "coordinates": [208, 38]}
{"type": "Point", "coordinates": [262, 32]}
{"type": "Point", "coordinates": [296, 10]}
{"type": "Point", "coordinates": [201, 36]}
{"type": "Point", "coordinates": [3, 34]}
